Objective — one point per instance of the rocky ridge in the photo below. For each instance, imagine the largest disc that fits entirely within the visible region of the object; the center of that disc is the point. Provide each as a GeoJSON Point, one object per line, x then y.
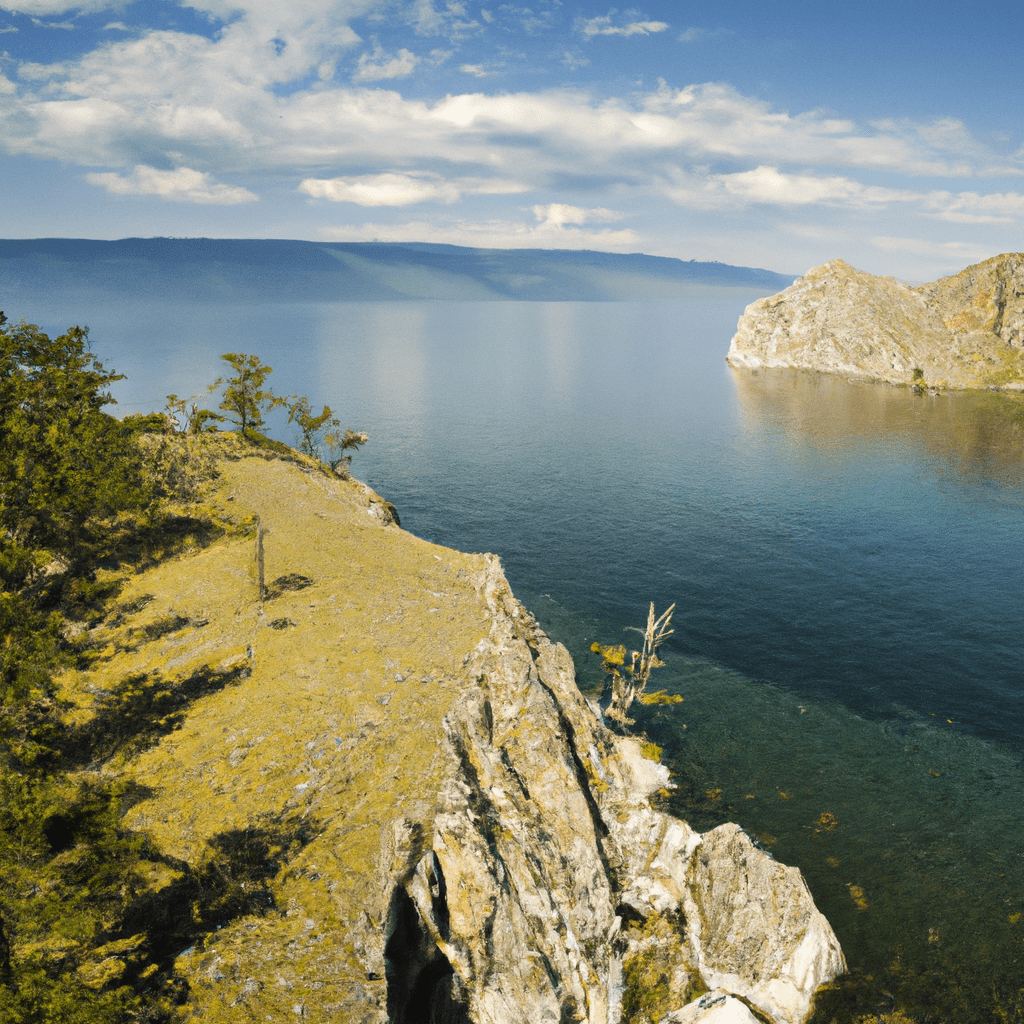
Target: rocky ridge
{"type": "Point", "coordinates": [963, 331]}
{"type": "Point", "coordinates": [456, 836]}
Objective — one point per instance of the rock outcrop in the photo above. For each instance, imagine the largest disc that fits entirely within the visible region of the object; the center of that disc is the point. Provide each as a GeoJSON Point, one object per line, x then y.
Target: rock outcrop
{"type": "Point", "coordinates": [444, 830]}
{"type": "Point", "coordinates": [964, 331]}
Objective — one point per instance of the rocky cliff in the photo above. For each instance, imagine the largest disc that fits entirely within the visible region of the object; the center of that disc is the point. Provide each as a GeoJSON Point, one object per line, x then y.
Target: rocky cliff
{"type": "Point", "coordinates": [964, 331]}
{"type": "Point", "coordinates": [404, 806]}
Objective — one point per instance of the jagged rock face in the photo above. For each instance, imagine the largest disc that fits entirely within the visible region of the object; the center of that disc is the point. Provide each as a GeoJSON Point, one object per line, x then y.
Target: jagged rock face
{"type": "Point", "coordinates": [544, 842]}
{"type": "Point", "coordinates": [964, 331]}
{"type": "Point", "coordinates": [986, 299]}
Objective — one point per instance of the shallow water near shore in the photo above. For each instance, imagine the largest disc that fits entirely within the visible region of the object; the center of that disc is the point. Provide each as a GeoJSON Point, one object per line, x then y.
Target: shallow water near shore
{"type": "Point", "coordinates": [846, 559]}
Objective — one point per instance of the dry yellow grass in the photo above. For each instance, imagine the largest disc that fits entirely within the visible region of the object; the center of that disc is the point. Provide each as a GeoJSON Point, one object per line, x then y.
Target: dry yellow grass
{"type": "Point", "coordinates": [337, 724]}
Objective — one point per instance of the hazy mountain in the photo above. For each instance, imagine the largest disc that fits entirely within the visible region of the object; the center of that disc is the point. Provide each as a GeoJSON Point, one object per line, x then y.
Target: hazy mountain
{"type": "Point", "coordinates": [205, 269]}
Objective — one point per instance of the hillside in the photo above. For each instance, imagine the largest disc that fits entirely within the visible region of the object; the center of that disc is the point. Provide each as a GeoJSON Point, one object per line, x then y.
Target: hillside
{"type": "Point", "coordinates": [372, 792]}
{"type": "Point", "coordinates": [964, 331]}
{"type": "Point", "coordinates": [273, 270]}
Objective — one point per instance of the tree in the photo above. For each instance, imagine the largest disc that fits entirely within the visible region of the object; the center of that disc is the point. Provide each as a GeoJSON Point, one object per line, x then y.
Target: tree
{"type": "Point", "coordinates": [338, 444]}
{"type": "Point", "coordinates": [184, 415]}
{"type": "Point", "coordinates": [65, 465]}
{"type": "Point", "coordinates": [313, 430]}
{"type": "Point", "coordinates": [245, 396]}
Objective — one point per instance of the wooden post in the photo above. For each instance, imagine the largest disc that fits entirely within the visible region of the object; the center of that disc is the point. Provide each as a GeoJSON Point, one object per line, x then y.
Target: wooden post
{"type": "Point", "coordinates": [259, 558]}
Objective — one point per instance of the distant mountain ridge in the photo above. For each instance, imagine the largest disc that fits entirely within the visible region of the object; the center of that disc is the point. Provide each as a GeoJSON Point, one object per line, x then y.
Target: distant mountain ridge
{"type": "Point", "coordinates": [213, 269]}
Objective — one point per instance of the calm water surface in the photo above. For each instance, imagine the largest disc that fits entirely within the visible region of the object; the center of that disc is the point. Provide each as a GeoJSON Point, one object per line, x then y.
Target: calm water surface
{"type": "Point", "coordinates": [846, 561]}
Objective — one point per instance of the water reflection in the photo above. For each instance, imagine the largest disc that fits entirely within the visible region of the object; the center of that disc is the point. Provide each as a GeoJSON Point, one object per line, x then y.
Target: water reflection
{"type": "Point", "coordinates": [975, 437]}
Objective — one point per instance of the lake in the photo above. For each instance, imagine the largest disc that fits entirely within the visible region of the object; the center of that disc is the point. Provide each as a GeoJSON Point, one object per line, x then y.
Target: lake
{"type": "Point", "coordinates": [846, 561]}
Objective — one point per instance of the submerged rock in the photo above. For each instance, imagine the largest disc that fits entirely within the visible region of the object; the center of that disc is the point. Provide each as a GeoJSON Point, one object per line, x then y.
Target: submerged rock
{"type": "Point", "coordinates": [964, 331]}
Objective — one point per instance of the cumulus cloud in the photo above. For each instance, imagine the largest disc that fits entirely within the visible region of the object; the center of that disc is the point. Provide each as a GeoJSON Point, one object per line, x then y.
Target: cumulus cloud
{"type": "Point", "coordinates": [392, 189]}
{"type": "Point", "coordinates": [184, 100]}
{"type": "Point", "coordinates": [379, 65]}
{"type": "Point", "coordinates": [182, 185]}
{"type": "Point", "coordinates": [602, 26]}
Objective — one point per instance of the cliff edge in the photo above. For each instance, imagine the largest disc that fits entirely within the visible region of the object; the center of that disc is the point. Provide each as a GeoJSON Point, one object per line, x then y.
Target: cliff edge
{"type": "Point", "coordinates": [387, 785]}
{"type": "Point", "coordinates": [964, 331]}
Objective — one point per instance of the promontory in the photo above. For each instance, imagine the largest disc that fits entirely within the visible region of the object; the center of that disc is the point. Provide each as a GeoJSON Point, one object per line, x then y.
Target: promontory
{"type": "Point", "coordinates": [964, 331]}
{"type": "Point", "coordinates": [371, 792]}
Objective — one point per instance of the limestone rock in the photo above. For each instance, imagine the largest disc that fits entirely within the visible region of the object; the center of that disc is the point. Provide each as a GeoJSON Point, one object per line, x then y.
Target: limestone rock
{"type": "Point", "coordinates": [715, 1007]}
{"type": "Point", "coordinates": [965, 331]}
{"type": "Point", "coordinates": [984, 300]}
{"type": "Point", "coordinates": [755, 926]}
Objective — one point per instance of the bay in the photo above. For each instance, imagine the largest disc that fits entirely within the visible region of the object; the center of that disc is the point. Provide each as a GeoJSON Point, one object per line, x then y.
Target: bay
{"type": "Point", "coordinates": [846, 561]}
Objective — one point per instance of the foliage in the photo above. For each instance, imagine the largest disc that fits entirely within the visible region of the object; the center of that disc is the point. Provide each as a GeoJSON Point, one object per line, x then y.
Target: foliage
{"type": "Point", "coordinates": [184, 415]}
{"type": "Point", "coordinates": [632, 680]}
{"type": "Point", "coordinates": [313, 430]}
{"type": "Point", "coordinates": [84, 936]}
{"type": "Point", "coordinates": [78, 490]}
{"type": "Point", "coordinates": [338, 444]}
{"type": "Point", "coordinates": [65, 466]}
{"type": "Point", "coordinates": [246, 397]}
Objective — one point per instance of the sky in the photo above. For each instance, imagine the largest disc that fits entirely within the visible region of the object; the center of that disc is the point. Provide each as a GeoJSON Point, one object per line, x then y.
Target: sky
{"type": "Point", "coordinates": [776, 135]}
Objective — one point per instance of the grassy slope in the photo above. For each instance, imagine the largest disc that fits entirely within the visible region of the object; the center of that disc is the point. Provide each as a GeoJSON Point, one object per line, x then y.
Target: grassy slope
{"type": "Point", "coordinates": [333, 733]}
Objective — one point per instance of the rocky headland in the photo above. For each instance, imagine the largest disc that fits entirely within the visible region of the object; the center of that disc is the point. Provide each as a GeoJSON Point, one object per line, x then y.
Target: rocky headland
{"type": "Point", "coordinates": [964, 331]}
{"type": "Point", "coordinates": [386, 788]}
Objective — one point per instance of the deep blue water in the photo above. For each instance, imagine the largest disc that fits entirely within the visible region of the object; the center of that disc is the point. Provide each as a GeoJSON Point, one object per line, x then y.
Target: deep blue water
{"type": "Point", "coordinates": [846, 560]}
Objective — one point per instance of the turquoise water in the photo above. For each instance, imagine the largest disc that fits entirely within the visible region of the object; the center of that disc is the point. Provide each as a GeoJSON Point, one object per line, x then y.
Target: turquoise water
{"type": "Point", "coordinates": [846, 562]}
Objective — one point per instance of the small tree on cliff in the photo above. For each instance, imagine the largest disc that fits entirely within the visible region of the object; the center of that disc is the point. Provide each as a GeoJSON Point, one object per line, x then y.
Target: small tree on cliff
{"type": "Point", "coordinates": [246, 398]}
{"type": "Point", "coordinates": [313, 430]}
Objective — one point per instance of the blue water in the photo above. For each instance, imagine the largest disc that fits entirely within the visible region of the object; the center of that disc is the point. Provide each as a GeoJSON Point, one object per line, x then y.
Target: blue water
{"type": "Point", "coordinates": [846, 560]}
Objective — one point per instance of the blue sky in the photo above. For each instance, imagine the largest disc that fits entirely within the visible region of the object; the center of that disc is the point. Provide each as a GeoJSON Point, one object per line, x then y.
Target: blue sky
{"type": "Point", "coordinates": [777, 135]}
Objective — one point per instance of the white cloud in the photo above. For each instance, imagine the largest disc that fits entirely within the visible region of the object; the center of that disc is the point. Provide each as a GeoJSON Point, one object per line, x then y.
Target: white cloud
{"type": "Point", "coordinates": [450, 21]}
{"type": "Point", "coordinates": [973, 208]}
{"type": "Point", "coordinates": [769, 185]}
{"type": "Point", "coordinates": [392, 189]}
{"type": "Point", "coordinates": [491, 234]}
{"type": "Point", "coordinates": [182, 185]}
{"type": "Point", "coordinates": [574, 60]}
{"type": "Point", "coordinates": [380, 65]}
{"type": "Point", "coordinates": [693, 35]}
{"type": "Point", "coordinates": [51, 8]}
{"type": "Point", "coordinates": [175, 99]}
{"type": "Point", "coordinates": [560, 214]}
{"type": "Point", "coordinates": [926, 247]}
{"type": "Point", "coordinates": [381, 190]}
{"type": "Point", "coordinates": [602, 26]}
{"type": "Point", "coordinates": [68, 26]}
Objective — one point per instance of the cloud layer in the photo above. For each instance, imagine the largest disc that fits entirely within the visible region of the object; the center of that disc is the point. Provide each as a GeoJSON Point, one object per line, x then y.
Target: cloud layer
{"type": "Point", "coordinates": [326, 100]}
